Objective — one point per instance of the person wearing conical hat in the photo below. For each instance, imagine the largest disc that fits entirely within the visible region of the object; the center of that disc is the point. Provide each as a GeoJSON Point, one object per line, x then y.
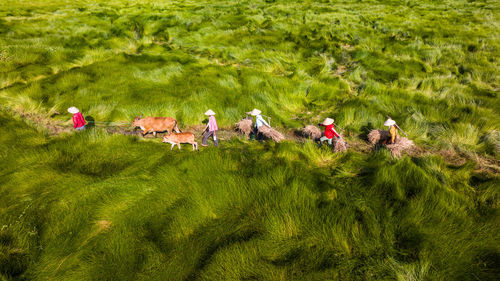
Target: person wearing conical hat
{"type": "Point", "coordinates": [211, 128]}
{"type": "Point", "coordinates": [259, 121]}
{"type": "Point", "coordinates": [329, 131]}
{"type": "Point", "coordinates": [393, 131]}
{"type": "Point", "coordinates": [78, 120]}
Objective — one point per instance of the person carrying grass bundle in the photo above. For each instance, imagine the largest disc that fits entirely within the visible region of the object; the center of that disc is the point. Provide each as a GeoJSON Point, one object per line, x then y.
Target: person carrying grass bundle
{"type": "Point", "coordinates": [329, 131]}
{"type": "Point", "coordinates": [393, 131]}
{"type": "Point", "coordinates": [210, 129]}
{"type": "Point", "coordinates": [78, 120]}
{"type": "Point", "coordinates": [259, 121]}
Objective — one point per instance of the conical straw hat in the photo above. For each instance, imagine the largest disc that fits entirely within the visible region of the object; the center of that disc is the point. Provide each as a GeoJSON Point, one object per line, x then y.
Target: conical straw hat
{"type": "Point", "coordinates": [255, 112]}
{"type": "Point", "coordinates": [73, 110]}
{"type": "Point", "coordinates": [328, 121]}
{"type": "Point", "coordinates": [209, 112]}
{"type": "Point", "coordinates": [389, 122]}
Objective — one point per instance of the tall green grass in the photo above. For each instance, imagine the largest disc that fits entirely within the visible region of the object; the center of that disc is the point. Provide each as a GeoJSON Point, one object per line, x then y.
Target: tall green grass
{"type": "Point", "coordinates": [357, 61]}
{"type": "Point", "coordinates": [98, 206]}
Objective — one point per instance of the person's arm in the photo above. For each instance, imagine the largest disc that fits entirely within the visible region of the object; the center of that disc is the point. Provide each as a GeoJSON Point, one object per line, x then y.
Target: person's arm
{"type": "Point", "coordinates": [74, 122]}
{"type": "Point", "coordinates": [264, 121]}
{"type": "Point", "coordinates": [82, 119]}
{"type": "Point", "coordinates": [215, 124]}
{"type": "Point", "coordinates": [335, 132]}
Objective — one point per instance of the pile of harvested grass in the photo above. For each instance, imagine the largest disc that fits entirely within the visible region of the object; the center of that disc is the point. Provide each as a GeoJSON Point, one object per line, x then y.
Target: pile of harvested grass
{"type": "Point", "coordinates": [400, 144]}
{"type": "Point", "coordinates": [377, 136]}
{"type": "Point", "coordinates": [271, 133]}
{"type": "Point", "coordinates": [311, 131]}
{"type": "Point", "coordinates": [244, 126]}
{"type": "Point", "coordinates": [339, 145]}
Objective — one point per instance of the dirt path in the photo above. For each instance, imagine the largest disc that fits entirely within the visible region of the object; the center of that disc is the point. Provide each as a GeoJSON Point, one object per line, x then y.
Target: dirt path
{"type": "Point", "coordinates": [484, 164]}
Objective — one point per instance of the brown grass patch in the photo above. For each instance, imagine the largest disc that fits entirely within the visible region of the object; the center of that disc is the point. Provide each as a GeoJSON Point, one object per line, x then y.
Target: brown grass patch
{"type": "Point", "coordinates": [312, 131]}
{"type": "Point", "coordinates": [377, 136]}
{"type": "Point", "coordinates": [271, 133]}
{"type": "Point", "coordinates": [103, 225]}
{"type": "Point", "coordinates": [400, 145]}
{"type": "Point", "coordinates": [244, 126]}
{"type": "Point", "coordinates": [339, 145]}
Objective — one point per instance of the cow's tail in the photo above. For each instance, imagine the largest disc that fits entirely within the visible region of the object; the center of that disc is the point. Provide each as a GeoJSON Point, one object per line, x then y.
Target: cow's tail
{"type": "Point", "coordinates": [176, 128]}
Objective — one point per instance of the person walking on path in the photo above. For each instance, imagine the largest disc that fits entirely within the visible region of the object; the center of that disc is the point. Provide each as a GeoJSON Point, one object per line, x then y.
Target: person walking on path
{"type": "Point", "coordinates": [393, 131]}
{"type": "Point", "coordinates": [78, 121]}
{"type": "Point", "coordinates": [211, 128]}
{"type": "Point", "coordinates": [329, 131]}
{"type": "Point", "coordinates": [259, 121]}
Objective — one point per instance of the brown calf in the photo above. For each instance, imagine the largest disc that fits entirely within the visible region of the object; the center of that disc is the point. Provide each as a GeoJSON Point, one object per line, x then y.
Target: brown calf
{"type": "Point", "coordinates": [156, 124]}
{"type": "Point", "coordinates": [178, 138]}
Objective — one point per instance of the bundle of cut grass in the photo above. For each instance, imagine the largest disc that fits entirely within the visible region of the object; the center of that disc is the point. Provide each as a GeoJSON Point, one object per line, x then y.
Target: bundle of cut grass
{"type": "Point", "coordinates": [244, 126]}
{"type": "Point", "coordinates": [400, 144]}
{"type": "Point", "coordinates": [311, 131]}
{"type": "Point", "coordinates": [271, 133]}
{"type": "Point", "coordinates": [339, 145]}
{"type": "Point", "coordinates": [377, 136]}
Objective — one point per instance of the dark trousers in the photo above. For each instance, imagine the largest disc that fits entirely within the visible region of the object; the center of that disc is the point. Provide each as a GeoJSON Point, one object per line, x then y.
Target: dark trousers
{"type": "Point", "coordinates": [258, 135]}
{"type": "Point", "coordinates": [207, 135]}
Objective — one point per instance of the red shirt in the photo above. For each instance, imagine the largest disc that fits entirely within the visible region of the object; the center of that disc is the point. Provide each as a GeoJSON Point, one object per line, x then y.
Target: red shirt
{"type": "Point", "coordinates": [330, 131]}
{"type": "Point", "coordinates": [78, 120]}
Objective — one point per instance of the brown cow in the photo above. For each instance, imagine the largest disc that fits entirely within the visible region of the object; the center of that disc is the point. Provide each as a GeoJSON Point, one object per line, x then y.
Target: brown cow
{"type": "Point", "coordinates": [156, 124]}
{"type": "Point", "coordinates": [178, 138]}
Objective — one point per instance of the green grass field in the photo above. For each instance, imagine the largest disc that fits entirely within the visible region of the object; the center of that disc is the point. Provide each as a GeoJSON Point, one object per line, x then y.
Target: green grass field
{"type": "Point", "coordinates": [101, 206]}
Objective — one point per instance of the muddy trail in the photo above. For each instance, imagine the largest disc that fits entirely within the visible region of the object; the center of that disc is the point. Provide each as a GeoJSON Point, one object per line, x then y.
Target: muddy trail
{"type": "Point", "coordinates": [484, 164]}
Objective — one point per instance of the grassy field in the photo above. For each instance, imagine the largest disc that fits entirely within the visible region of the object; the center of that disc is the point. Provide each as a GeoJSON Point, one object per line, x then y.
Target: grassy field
{"type": "Point", "coordinates": [98, 206]}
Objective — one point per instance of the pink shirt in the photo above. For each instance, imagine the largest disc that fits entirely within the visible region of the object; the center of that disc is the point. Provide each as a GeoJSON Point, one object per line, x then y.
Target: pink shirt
{"type": "Point", "coordinates": [212, 124]}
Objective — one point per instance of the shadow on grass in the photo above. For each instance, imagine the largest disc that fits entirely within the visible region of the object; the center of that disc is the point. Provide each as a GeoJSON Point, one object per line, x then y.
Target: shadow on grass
{"type": "Point", "coordinates": [90, 122]}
